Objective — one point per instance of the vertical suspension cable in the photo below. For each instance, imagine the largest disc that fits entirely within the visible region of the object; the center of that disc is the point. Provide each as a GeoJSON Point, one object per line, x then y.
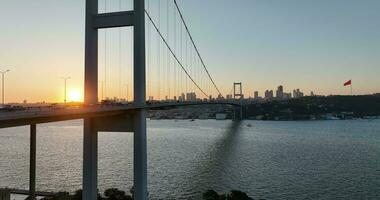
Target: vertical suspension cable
{"type": "Point", "coordinates": [164, 58]}
{"type": "Point", "coordinates": [195, 47]}
{"type": "Point", "coordinates": [159, 51]}
{"type": "Point", "coordinates": [148, 56]}
{"type": "Point", "coordinates": [193, 68]}
{"type": "Point", "coordinates": [175, 49]}
{"type": "Point", "coordinates": [173, 54]}
{"type": "Point", "coordinates": [131, 84]}
{"type": "Point", "coordinates": [120, 55]}
{"type": "Point", "coordinates": [186, 63]}
{"type": "Point", "coordinates": [180, 29]}
{"type": "Point", "coordinates": [105, 54]}
{"type": "Point", "coordinates": [167, 50]}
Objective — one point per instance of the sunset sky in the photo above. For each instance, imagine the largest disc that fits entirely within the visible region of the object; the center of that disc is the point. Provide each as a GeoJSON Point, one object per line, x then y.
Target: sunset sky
{"type": "Point", "coordinates": [311, 45]}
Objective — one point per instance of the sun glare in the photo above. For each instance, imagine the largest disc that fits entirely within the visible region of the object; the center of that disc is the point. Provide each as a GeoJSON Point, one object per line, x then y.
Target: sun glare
{"type": "Point", "coordinates": [74, 96]}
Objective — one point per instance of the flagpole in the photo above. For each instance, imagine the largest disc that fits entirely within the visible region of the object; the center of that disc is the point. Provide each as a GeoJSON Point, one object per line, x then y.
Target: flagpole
{"type": "Point", "coordinates": [351, 89]}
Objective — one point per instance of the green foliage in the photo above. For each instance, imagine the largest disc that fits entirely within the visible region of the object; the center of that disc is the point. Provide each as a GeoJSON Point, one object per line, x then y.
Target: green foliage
{"type": "Point", "coordinates": [210, 195]}
{"type": "Point", "coordinates": [238, 195]}
{"type": "Point", "coordinates": [233, 195]}
{"type": "Point", "coordinates": [116, 194]}
{"type": "Point", "coordinates": [109, 194]}
{"type": "Point", "coordinates": [303, 108]}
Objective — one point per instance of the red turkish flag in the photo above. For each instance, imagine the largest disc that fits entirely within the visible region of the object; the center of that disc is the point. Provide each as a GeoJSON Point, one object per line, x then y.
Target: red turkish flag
{"type": "Point", "coordinates": [347, 83]}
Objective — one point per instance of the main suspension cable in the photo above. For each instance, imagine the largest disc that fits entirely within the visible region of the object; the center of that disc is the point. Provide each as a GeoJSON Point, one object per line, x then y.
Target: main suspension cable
{"type": "Point", "coordinates": [171, 51]}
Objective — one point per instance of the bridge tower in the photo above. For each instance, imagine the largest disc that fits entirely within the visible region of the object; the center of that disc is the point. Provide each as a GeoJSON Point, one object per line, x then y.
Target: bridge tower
{"type": "Point", "coordinates": [137, 122]}
{"type": "Point", "coordinates": [238, 95]}
{"type": "Point", "coordinates": [238, 92]}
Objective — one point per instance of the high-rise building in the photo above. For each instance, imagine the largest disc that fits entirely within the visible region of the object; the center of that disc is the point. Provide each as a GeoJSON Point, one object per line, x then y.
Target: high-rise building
{"type": "Point", "coordinates": [287, 95]}
{"type": "Point", "coordinates": [297, 93]}
{"type": "Point", "coordinates": [191, 96]}
{"type": "Point", "coordinates": [229, 96]}
{"type": "Point", "coordinates": [268, 94]}
{"type": "Point", "coordinates": [280, 92]}
{"type": "Point", "coordinates": [182, 97]}
{"type": "Point", "coordinates": [256, 95]}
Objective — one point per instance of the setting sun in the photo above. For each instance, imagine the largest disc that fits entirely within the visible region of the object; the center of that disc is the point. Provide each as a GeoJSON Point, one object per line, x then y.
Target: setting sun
{"type": "Point", "coordinates": [75, 96]}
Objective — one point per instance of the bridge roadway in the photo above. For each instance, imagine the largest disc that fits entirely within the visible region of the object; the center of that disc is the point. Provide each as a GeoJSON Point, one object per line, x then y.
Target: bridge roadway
{"type": "Point", "coordinates": [38, 115]}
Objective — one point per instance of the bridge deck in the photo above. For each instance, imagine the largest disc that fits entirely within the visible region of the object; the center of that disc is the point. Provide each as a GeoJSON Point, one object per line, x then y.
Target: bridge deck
{"type": "Point", "coordinates": [48, 114]}
{"type": "Point", "coordinates": [26, 192]}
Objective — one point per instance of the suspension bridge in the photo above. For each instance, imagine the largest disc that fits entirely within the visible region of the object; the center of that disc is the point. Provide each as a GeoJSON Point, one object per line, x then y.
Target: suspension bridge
{"type": "Point", "coordinates": [164, 63]}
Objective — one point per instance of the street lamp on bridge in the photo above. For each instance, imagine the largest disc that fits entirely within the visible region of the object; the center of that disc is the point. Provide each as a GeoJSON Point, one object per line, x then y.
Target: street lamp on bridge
{"type": "Point", "coordinates": [3, 72]}
{"type": "Point", "coordinates": [65, 80]}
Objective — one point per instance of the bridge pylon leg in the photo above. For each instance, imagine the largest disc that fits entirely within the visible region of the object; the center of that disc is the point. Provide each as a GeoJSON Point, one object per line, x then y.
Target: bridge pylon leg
{"type": "Point", "coordinates": [90, 135]}
{"type": "Point", "coordinates": [140, 156]}
{"type": "Point", "coordinates": [90, 160]}
{"type": "Point", "coordinates": [32, 162]}
{"type": "Point", "coordinates": [140, 137]}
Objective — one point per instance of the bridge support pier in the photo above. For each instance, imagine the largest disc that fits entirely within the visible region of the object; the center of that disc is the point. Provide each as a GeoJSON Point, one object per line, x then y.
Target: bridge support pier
{"type": "Point", "coordinates": [241, 111]}
{"type": "Point", "coordinates": [95, 21]}
{"type": "Point", "coordinates": [139, 85]}
{"type": "Point", "coordinates": [90, 160]}
{"type": "Point", "coordinates": [32, 162]}
{"type": "Point", "coordinates": [5, 194]}
{"type": "Point", "coordinates": [90, 135]}
{"type": "Point", "coordinates": [237, 114]}
{"type": "Point", "coordinates": [140, 156]}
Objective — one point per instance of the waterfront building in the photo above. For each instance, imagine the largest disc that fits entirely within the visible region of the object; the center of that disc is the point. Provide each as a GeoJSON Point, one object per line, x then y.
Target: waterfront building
{"type": "Point", "coordinates": [182, 97]}
{"type": "Point", "coordinates": [287, 95]}
{"type": "Point", "coordinates": [280, 92]}
{"type": "Point", "coordinates": [256, 95]}
{"type": "Point", "coordinates": [268, 94]}
{"type": "Point", "coordinates": [297, 93]}
{"type": "Point", "coordinates": [191, 96]}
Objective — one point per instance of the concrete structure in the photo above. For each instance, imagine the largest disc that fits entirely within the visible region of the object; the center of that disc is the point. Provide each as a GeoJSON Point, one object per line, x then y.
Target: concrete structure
{"type": "Point", "coordinates": [3, 85]}
{"type": "Point", "coordinates": [191, 96]}
{"type": "Point", "coordinates": [286, 95]}
{"type": "Point", "coordinates": [297, 93]}
{"type": "Point", "coordinates": [256, 95]}
{"type": "Point", "coordinates": [182, 98]}
{"type": "Point", "coordinates": [220, 116]}
{"type": "Point", "coordinates": [95, 21]}
{"type": "Point", "coordinates": [268, 94]}
{"type": "Point", "coordinates": [5, 194]}
{"type": "Point", "coordinates": [238, 93]}
{"type": "Point", "coordinates": [280, 92]}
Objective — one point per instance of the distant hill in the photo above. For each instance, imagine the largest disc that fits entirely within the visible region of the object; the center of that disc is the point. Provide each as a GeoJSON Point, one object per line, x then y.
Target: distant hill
{"type": "Point", "coordinates": [307, 107]}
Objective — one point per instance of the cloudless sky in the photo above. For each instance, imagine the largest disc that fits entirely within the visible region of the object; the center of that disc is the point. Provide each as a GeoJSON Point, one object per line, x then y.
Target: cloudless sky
{"type": "Point", "coordinates": [311, 45]}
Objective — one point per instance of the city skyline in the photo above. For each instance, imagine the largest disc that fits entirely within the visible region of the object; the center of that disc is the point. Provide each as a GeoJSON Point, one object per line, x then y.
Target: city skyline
{"type": "Point", "coordinates": [278, 44]}
{"type": "Point", "coordinates": [189, 99]}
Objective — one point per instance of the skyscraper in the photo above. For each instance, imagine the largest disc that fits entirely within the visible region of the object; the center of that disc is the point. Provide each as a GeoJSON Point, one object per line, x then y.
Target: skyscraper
{"type": "Point", "coordinates": [256, 95]}
{"type": "Point", "coordinates": [191, 96]}
{"type": "Point", "coordinates": [297, 93]}
{"type": "Point", "coordinates": [280, 92]}
{"type": "Point", "coordinates": [268, 94]}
